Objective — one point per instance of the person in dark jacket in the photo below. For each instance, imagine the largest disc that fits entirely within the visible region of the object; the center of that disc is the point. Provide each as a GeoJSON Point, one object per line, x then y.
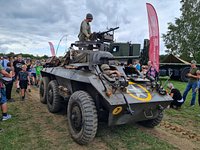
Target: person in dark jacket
{"type": "Point", "coordinates": [176, 95]}
{"type": "Point", "coordinates": [9, 84]}
{"type": "Point", "coordinates": [17, 64]}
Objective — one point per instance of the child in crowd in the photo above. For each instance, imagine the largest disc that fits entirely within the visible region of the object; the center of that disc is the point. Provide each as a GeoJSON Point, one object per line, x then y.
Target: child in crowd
{"type": "Point", "coordinates": [151, 73]}
{"type": "Point", "coordinates": [137, 65]}
{"type": "Point", "coordinates": [28, 63]}
{"type": "Point", "coordinates": [33, 73]}
{"type": "Point", "coordinates": [38, 73]}
{"type": "Point", "coordinates": [144, 70]}
{"type": "Point", "coordinates": [24, 80]}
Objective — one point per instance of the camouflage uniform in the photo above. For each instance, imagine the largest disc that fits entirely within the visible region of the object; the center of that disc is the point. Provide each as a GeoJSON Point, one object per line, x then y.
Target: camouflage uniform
{"type": "Point", "coordinates": [85, 31]}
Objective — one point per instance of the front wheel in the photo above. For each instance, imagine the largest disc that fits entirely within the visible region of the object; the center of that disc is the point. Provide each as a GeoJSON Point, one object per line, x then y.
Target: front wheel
{"type": "Point", "coordinates": [82, 117]}
{"type": "Point", "coordinates": [152, 122]}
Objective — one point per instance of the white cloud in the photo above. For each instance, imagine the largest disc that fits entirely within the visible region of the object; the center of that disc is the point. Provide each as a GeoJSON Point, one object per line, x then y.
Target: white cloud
{"type": "Point", "coordinates": [27, 26]}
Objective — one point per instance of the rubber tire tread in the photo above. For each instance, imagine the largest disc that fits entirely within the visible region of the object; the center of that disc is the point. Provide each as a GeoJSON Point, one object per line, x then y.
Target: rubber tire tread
{"type": "Point", "coordinates": [45, 81]}
{"type": "Point", "coordinates": [89, 117]}
{"type": "Point", "coordinates": [56, 105]}
{"type": "Point", "coordinates": [183, 74]}
{"type": "Point", "coordinates": [153, 122]}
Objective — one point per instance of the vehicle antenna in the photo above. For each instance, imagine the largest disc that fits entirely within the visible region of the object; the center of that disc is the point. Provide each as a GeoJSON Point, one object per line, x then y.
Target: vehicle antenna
{"type": "Point", "coordinates": [117, 21]}
{"type": "Point", "coordinates": [107, 24]}
{"type": "Point", "coordinates": [60, 42]}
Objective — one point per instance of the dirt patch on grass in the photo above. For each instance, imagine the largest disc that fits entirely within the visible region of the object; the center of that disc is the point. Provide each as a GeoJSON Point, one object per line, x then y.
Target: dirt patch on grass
{"type": "Point", "coordinates": [180, 131]}
{"type": "Point", "coordinates": [176, 135]}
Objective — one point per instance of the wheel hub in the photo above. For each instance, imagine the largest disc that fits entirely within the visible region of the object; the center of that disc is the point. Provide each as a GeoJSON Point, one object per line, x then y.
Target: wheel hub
{"type": "Point", "coordinates": [50, 96]}
{"type": "Point", "coordinates": [76, 118]}
{"type": "Point", "coordinates": [42, 90]}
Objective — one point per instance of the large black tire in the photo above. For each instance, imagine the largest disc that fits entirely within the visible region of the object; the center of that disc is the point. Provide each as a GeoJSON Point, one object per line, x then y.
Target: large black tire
{"type": "Point", "coordinates": [53, 97]}
{"type": "Point", "coordinates": [82, 117]}
{"type": "Point", "coordinates": [43, 89]}
{"type": "Point", "coordinates": [184, 73]}
{"type": "Point", "coordinates": [152, 122]}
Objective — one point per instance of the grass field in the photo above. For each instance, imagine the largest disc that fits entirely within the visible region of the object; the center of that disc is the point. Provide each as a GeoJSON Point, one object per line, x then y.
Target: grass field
{"type": "Point", "coordinates": [33, 127]}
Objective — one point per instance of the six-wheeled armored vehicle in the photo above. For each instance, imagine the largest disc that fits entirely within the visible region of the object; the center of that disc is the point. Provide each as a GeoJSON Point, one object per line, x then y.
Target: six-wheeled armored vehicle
{"type": "Point", "coordinates": [97, 88]}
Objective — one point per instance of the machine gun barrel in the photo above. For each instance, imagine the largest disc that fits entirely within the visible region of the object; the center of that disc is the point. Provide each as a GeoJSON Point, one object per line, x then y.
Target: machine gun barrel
{"type": "Point", "coordinates": [111, 29]}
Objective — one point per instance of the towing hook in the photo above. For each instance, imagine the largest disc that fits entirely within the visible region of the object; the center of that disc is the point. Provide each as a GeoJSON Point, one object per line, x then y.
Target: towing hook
{"type": "Point", "coordinates": [160, 107]}
{"type": "Point", "coordinates": [130, 111]}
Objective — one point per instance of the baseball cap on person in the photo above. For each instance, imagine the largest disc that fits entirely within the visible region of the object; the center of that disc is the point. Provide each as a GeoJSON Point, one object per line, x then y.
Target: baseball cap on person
{"type": "Point", "coordinates": [89, 16]}
{"type": "Point", "coordinates": [193, 62]}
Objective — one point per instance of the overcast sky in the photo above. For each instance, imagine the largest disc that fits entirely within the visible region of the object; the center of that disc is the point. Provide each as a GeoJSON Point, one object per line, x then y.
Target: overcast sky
{"type": "Point", "coordinates": [28, 25]}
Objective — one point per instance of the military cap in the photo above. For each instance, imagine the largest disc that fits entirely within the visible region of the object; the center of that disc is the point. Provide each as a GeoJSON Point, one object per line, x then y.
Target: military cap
{"type": "Point", "coordinates": [89, 16]}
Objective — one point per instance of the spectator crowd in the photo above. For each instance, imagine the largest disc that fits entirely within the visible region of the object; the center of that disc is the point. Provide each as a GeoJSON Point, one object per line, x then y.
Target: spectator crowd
{"type": "Point", "coordinates": [23, 72]}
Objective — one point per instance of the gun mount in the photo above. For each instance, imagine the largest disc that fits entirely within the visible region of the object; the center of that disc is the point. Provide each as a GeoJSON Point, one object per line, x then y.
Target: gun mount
{"type": "Point", "coordinates": [104, 36]}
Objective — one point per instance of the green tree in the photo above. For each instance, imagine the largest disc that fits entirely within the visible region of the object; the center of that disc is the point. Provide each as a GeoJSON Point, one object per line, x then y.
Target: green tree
{"type": "Point", "coordinates": [182, 37]}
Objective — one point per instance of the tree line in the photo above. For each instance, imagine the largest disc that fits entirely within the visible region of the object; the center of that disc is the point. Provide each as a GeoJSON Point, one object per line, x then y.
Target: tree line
{"type": "Point", "coordinates": [11, 54]}
{"type": "Point", "coordinates": [183, 37]}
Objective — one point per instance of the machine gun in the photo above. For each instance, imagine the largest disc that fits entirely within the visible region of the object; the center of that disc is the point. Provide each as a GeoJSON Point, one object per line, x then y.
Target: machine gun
{"type": "Point", "coordinates": [104, 36]}
{"type": "Point", "coordinates": [111, 29]}
{"type": "Point", "coordinates": [97, 40]}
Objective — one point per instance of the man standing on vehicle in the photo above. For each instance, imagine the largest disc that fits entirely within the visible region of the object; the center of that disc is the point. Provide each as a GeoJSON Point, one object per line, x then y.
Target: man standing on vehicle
{"type": "Point", "coordinates": [85, 29]}
{"type": "Point", "coordinates": [192, 83]}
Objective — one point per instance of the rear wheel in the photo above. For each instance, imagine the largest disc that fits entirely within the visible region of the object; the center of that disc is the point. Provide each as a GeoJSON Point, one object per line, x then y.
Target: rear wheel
{"type": "Point", "coordinates": [184, 73]}
{"type": "Point", "coordinates": [82, 117]}
{"type": "Point", "coordinates": [53, 97]}
{"type": "Point", "coordinates": [153, 122]}
{"type": "Point", "coordinates": [43, 89]}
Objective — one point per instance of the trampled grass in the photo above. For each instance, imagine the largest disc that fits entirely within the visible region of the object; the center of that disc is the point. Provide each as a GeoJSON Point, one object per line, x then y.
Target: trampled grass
{"type": "Point", "coordinates": [186, 116]}
{"type": "Point", "coordinates": [130, 137]}
{"type": "Point", "coordinates": [33, 127]}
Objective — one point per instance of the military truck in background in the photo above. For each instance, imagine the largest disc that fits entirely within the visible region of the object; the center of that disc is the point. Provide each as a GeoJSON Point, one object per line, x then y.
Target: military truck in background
{"type": "Point", "coordinates": [179, 68]}
{"type": "Point", "coordinates": [171, 65]}
{"type": "Point", "coordinates": [130, 49]}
